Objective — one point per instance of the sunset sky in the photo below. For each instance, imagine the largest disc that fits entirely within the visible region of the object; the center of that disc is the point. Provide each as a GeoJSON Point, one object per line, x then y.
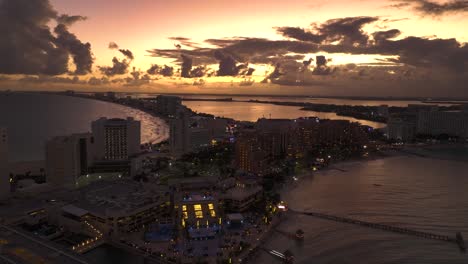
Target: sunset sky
{"type": "Point", "coordinates": [370, 47]}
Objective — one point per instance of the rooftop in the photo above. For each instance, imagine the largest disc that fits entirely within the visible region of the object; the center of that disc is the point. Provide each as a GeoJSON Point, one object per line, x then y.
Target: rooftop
{"type": "Point", "coordinates": [127, 196]}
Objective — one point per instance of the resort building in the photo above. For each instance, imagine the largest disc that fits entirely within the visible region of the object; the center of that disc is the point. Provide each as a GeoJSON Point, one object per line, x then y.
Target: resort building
{"type": "Point", "coordinates": [436, 123]}
{"type": "Point", "coordinates": [401, 128]}
{"type": "Point", "coordinates": [250, 157]}
{"type": "Point", "coordinates": [167, 105]}
{"type": "Point", "coordinates": [242, 196]}
{"type": "Point", "coordinates": [117, 207]}
{"type": "Point", "coordinates": [180, 133]}
{"type": "Point", "coordinates": [198, 214]}
{"type": "Point", "coordinates": [116, 139]}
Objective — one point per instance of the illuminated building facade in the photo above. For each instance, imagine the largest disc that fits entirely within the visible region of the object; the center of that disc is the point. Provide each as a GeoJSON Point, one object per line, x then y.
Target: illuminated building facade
{"type": "Point", "coordinates": [199, 214]}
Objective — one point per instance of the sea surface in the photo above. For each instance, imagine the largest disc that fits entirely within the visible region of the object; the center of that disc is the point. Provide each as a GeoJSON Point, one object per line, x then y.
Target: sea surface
{"type": "Point", "coordinates": [245, 111]}
{"type": "Point", "coordinates": [427, 194]}
{"type": "Point", "coordinates": [310, 99]}
{"type": "Point", "coordinates": [32, 119]}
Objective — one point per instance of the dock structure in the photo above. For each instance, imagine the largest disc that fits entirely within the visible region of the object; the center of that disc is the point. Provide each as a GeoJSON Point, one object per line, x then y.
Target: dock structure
{"type": "Point", "coordinates": [401, 230]}
{"type": "Point", "coordinates": [286, 257]}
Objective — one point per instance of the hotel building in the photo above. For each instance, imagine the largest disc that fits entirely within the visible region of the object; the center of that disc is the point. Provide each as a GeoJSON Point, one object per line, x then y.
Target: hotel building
{"type": "Point", "coordinates": [438, 123]}
{"type": "Point", "coordinates": [116, 139]}
{"type": "Point", "coordinates": [167, 105]}
{"type": "Point", "coordinates": [242, 196]}
{"type": "Point", "coordinates": [198, 213]}
{"type": "Point", "coordinates": [68, 158]}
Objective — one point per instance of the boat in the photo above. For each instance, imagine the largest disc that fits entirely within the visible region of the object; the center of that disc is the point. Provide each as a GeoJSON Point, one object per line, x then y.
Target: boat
{"type": "Point", "coordinates": [300, 234]}
{"type": "Point", "coordinates": [288, 257]}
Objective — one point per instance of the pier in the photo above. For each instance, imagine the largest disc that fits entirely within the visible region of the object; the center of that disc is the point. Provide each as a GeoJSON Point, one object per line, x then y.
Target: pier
{"type": "Point", "coordinates": [401, 230]}
{"type": "Point", "coordinates": [286, 257]}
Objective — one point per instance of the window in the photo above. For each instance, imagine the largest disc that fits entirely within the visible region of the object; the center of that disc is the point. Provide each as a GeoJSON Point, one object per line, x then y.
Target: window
{"type": "Point", "coordinates": [184, 208]}
{"type": "Point", "coordinates": [212, 213]}
{"type": "Point", "coordinates": [185, 215]}
{"type": "Point", "coordinates": [210, 206]}
{"type": "Point", "coordinates": [197, 207]}
{"type": "Point", "coordinates": [198, 214]}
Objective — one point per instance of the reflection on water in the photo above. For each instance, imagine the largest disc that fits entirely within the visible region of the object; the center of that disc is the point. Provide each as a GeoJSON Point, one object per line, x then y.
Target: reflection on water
{"type": "Point", "coordinates": [31, 119]}
{"type": "Point", "coordinates": [309, 99]}
{"type": "Point", "coordinates": [419, 193]}
{"type": "Point", "coordinates": [253, 111]}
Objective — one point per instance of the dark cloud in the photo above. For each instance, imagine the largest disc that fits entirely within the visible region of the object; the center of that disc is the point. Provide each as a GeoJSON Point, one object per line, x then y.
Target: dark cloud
{"type": "Point", "coordinates": [321, 67]}
{"type": "Point", "coordinates": [433, 8]}
{"type": "Point", "coordinates": [69, 20]}
{"type": "Point", "coordinates": [443, 57]}
{"type": "Point", "coordinates": [166, 71]}
{"type": "Point", "coordinates": [199, 71]}
{"type": "Point", "coordinates": [80, 52]}
{"type": "Point", "coordinates": [154, 69]}
{"type": "Point", "coordinates": [228, 65]}
{"type": "Point", "coordinates": [307, 63]}
{"type": "Point", "coordinates": [275, 75]}
{"type": "Point", "coordinates": [28, 46]}
{"type": "Point", "coordinates": [138, 78]}
{"type": "Point", "coordinates": [118, 67]}
{"type": "Point", "coordinates": [385, 35]}
{"type": "Point", "coordinates": [347, 31]}
{"type": "Point", "coordinates": [45, 79]}
{"type": "Point", "coordinates": [127, 53]}
{"type": "Point", "coordinates": [250, 71]}
{"type": "Point", "coordinates": [98, 81]}
{"type": "Point", "coordinates": [184, 42]}
{"type": "Point", "coordinates": [113, 45]}
{"type": "Point", "coordinates": [186, 67]}
{"type": "Point", "coordinates": [300, 34]}
{"type": "Point", "coordinates": [243, 50]}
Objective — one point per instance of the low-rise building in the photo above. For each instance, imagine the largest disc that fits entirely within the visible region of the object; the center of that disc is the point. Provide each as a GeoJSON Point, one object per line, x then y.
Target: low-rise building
{"type": "Point", "coordinates": [198, 214]}
{"type": "Point", "coordinates": [242, 196]}
{"type": "Point", "coordinates": [117, 207]}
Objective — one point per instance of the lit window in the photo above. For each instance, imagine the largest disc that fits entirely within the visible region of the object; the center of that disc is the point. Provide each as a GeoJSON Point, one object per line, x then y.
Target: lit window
{"type": "Point", "coordinates": [184, 208]}
{"type": "Point", "coordinates": [197, 207]}
{"type": "Point", "coordinates": [212, 213]}
{"type": "Point", "coordinates": [198, 214]}
{"type": "Point", "coordinates": [210, 206]}
{"type": "Point", "coordinates": [185, 215]}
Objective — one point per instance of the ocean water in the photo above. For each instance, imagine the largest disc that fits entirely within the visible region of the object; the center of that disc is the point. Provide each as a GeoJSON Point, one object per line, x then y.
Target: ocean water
{"type": "Point", "coordinates": [308, 99]}
{"type": "Point", "coordinates": [426, 194]}
{"type": "Point", "coordinates": [32, 119]}
{"type": "Point", "coordinates": [245, 111]}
